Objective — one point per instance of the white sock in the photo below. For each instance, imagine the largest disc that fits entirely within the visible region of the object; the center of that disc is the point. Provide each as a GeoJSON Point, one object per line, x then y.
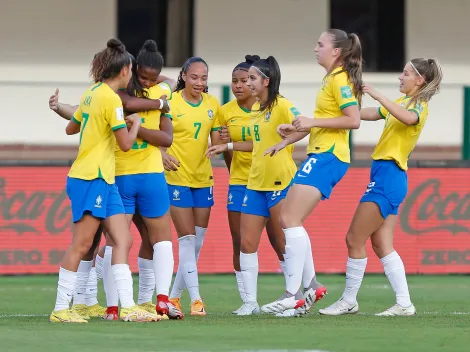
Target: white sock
{"type": "Point", "coordinates": [99, 267]}
{"type": "Point", "coordinates": [110, 288]}
{"type": "Point", "coordinates": [123, 278]}
{"type": "Point", "coordinates": [284, 269]}
{"type": "Point", "coordinates": [178, 285]}
{"type": "Point", "coordinates": [241, 288]}
{"type": "Point", "coordinates": [188, 265]}
{"type": "Point", "coordinates": [200, 234]}
{"type": "Point", "coordinates": [79, 296]}
{"type": "Point", "coordinates": [163, 263]}
{"type": "Point", "coordinates": [65, 289]}
{"type": "Point", "coordinates": [395, 271]}
{"type": "Point", "coordinates": [308, 276]}
{"type": "Point", "coordinates": [294, 257]}
{"type": "Point", "coordinates": [355, 269]}
{"type": "Point", "coordinates": [249, 271]}
{"type": "Point", "coordinates": [146, 280]}
{"type": "Point", "coordinates": [92, 289]}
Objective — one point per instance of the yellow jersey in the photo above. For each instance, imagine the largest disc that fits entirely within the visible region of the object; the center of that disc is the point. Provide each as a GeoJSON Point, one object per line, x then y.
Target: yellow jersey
{"type": "Point", "coordinates": [99, 114]}
{"type": "Point", "coordinates": [398, 140]}
{"type": "Point", "coordinates": [238, 122]}
{"type": "Point", "coordinates": [143, 157]}
{"type": "Point", "coordinates": [192, 126]}
{"type": "Point", "coordinates": [271, 173]}
{"type": "Point", "coordinates": [336, 93]}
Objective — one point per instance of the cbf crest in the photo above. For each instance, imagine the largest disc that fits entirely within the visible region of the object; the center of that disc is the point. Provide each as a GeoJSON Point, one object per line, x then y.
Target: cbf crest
{"type": "Point", "coordinates": [268, 116]}
{"type": "Point", "coordinates": [210, 113]}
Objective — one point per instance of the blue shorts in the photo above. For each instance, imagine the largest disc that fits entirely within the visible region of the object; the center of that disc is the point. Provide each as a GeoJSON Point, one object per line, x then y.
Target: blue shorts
{"type": "Point", "coordinates": [322, 171]}
{"type": "Point", "coordinates": [387, 188]}
{"type": "Point", "coordinates": [146, 192]}
{"type": "Point", "coordinates": [236, 193]}
{"type": "Point", "coordinates": [188, 197]}
{"type": "Point", "coordinates": [259, 202]}
{"type": "Point", "coordinates": [94, 197]}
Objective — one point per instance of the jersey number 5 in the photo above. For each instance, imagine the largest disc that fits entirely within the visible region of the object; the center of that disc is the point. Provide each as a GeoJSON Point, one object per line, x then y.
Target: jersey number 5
{"type": "Point", "coordinates": [308, 165]}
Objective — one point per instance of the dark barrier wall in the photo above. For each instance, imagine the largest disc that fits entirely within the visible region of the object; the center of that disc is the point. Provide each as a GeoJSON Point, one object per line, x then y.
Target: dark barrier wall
{"type": "Point", "coordinates": [432, 234]}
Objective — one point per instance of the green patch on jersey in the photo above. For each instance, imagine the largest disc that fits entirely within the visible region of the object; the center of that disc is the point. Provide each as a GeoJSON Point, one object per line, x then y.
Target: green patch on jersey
{"type": "Point", "coordinates": [346, 92]}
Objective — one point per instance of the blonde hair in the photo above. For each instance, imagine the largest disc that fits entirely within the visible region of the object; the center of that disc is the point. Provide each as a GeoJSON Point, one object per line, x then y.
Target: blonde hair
{"type": "Point", "coordinates": [431, 72]}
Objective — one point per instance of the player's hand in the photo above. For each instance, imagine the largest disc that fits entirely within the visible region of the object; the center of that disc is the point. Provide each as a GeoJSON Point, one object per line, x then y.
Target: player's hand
{"type": "Point", "coordinates": [216, 150]}
{"type": "Point", "coordinates": [368, 89]}
{"type": "Point", "coordinates": [224, 134]}
{"type": "Point", "coordinates": [303, 123]}
{"type": "Point", "coordinates": [275, 148]}
{"type": "Point", "coordinates": [285, 129]}
{"type": "Point", "coordinates": [133, 120]}
{"type": "Point", "coordinates": [170, 163]}
{"type": "Point", "coordinates": [54, 101]}
{"type": "Point", "coordinates": [166, 106]}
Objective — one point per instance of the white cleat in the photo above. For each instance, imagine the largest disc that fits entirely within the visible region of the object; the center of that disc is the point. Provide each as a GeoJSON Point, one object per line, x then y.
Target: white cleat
{"type": "Point", "coordinates": [311, 297]}
{"type": "Point", "coordinates": [281, 305]}
{"type": "Point", "coordinates": [398, 310]}
{"type": "Point", "coordinates": [237, 310]}
{"type": "Point", "coordinates": [287, 313]}
{"type": "Point", "coordinates": [340, 307]}
{"type": "Point", "coordinates": [248, 308]}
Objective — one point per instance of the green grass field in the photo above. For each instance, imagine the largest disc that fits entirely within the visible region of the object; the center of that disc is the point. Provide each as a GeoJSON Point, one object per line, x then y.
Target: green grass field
{"type": "Point", "coordinates": [442, 323]}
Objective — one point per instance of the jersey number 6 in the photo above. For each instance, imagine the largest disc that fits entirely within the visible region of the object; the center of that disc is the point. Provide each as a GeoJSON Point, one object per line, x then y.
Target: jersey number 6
{"type": "Point", "coordinates": [308, 165]}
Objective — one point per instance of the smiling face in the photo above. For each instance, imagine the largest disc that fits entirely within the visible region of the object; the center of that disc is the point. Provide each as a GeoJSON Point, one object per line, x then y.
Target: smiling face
{"type": "Point", "coordinates": [257, 83]}
{"type": "Point", "coordinates": [325, 51]}
{"type": "Point", "coordinates": [195, 78]}
{"type": "Point", "coordinates": [240, 88]}
{"type": "Point", "coordinates": [410, 80]}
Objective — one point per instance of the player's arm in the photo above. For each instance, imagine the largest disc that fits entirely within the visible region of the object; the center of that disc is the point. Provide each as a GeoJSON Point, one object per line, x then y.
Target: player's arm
{"type": "Point", "coordinates": [65, 111]}
{"type": "Point", "coordinates": [159, 138]}
{"type": "Point", "coordinates": [126, 138]}
{"type": "Point", "coordinates": [228, 155]}
{"type": "Point", "coordinates": [370, 114]}
{"type": "Point", "coordinates": [225, 147]}
{"type": "Point", "coordinates": [170, 81]}
{"type": "Point", "coordinates": [73, 127]}
{"type": "Point", "coordinates": [349, 120]}
{"type": "Point", "coordinates": [134, 104]}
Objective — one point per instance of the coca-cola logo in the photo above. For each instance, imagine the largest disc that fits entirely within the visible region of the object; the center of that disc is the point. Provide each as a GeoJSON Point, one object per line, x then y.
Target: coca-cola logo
{"type": "Point", "coordinates": [427, 209]}
{"type": "Point", "coordinates": [23, 213]}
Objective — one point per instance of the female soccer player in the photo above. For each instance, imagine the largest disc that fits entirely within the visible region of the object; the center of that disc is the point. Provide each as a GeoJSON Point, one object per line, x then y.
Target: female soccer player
{"type": "Point", "coordinates": [269, 178]}
{"type": "Point", "coordinates": [376, 214]}
{"type": "Point", "coordinates": [90, 183]}
{"type": "Point", "coordinates": [328, 159]}
{"type": "Point", "coordinates": [189, 174]}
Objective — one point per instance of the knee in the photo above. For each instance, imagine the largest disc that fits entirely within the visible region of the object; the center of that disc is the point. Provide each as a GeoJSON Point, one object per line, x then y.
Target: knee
{"type": "Point", "coordinates": [289, 219]}
{"type": "Point", "coordinates": [146, 250]}
{"type": "Point", "coordinates": [381, 250]}
{"type": "Point", "coordinates": [353, 242]}
{"type": "Point", "coordinates": [247, 246]}
{"type": "Point", "coordinates": [124, 243]}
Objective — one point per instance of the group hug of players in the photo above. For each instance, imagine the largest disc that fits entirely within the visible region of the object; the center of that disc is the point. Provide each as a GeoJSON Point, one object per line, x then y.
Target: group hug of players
{"type": "Point", "coordinates": [144, 157]}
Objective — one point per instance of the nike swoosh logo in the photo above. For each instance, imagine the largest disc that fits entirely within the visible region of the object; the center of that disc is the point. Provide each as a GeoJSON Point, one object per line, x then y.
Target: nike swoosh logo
{"type": "Point", "coordinates": [209, 198]}
{"type": "Point", "coordinates": [190, 272]}
{"type": "Point", "coordinates": [179, 115]}
{"type": "Point", "coordinates": [350, 309]}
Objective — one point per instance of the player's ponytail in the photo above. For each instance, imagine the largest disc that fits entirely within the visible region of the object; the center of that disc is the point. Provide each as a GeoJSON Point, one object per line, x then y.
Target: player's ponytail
{"type": "Point", "coordinates": [109, 62]}
{"type": "Point", "coordinates": [350, 57]}
{"type": "Point", "coordinates": [149, 57]}
{"type": "Point", "coordinates": [269, 69]}
{"type": "Point", "coordinates": [180, 83]}
{"type": "Point", "coordinates": [431, 72]}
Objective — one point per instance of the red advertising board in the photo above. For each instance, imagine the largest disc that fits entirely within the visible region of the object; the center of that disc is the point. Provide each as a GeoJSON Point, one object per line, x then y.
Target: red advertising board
{"type": "Point", "coordinates": [432, 234]}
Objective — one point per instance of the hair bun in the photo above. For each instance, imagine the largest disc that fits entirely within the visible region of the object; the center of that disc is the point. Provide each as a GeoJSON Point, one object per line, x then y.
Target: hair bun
{"type": "Point", "coordinates": [250, 59]}
{"type": "Point", "coordinates": [150, 45]}
{"type": "Point", "coordinates": [117, 45]}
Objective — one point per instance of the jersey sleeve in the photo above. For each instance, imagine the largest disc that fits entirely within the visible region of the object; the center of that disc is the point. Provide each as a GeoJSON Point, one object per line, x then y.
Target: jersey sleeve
{"type": "Point", "coordinates": [77, 116]}
{"type": "Point", "coordinates": [165, 87]}
{"type": "Point", "coordinates": [420, 109]}
{"type": "Point", "coordinates": [216, 125]}
{"type": "Point", "coordinates": [115, 114]}
{"type": "Point", "coordinates": [382, 112]}
{"type": "Point", "coordinates": [342, 91]}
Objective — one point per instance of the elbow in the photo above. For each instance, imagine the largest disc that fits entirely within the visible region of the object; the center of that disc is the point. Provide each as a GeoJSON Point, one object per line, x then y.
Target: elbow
{"type": "Point", "coordinates": [167, 142]}
{"type": "Point", "coordinates": [125, 147]}
{"type": "Point", "coordinates": [356, 124]}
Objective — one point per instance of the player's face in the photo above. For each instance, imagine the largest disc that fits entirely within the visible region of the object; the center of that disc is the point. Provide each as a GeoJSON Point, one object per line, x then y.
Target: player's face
{"type": "Point", "coordinates": [148, 77]}
{"type": "Point", "coordinates": [126, 74]}
{"type": "Point", "coordinates": [257, 83]}
{"type": "Point", "coordinates": [326, 54]}
{"type": "Point", "coordinates": [196, 78]}
{"type": "Point", "coordinates": [410, 81]}
{"type": "Point", "coordinates": [239, 85]}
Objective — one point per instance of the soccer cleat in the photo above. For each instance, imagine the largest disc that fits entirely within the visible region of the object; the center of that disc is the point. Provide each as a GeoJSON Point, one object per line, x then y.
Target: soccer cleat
{"type": "Point", "coordinates": [197, 308]}
{"type": "Point", "coordinates": [282, 304]}
{"type": "Point", "coordinates": [165, 307]}
{"type": "Point", "coordinates": [81, 310]}
{"type": "Point", "coordinates": [398, 310]}
{"type": "Point", "coordinates": [138, 315]}
{"type": "Point", "coordinates": [177, 303]}
{"type": "Point", "coordinates": [66, 316]}
{"type": "Point", "coordinates": [237, 310]}
{"type": "Point", "coordinates": [340, 307]}
{"type": "Point", "coordinates": [249, 308]}
{"type": "Point", "coordinates": [148, 307]}
{"type": "Point", "coordinates": [311, 297]}
{"type": "Point", "coordinates": [112, 313]}
{"type": "Point", "coordinates": [96, 311]}
{"type": "Point", "coordinates": [288, 313]}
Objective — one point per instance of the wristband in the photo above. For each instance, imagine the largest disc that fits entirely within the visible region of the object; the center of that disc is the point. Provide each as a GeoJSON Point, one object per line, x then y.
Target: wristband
{"type": "Point", "coordinates": [161, 103]}
{"type": "Point", "coordinates": [230, 146]}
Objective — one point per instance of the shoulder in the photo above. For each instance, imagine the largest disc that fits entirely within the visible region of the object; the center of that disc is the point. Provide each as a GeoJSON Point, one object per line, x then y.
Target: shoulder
{"type": "Point", "coordinates": [211, 100]}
